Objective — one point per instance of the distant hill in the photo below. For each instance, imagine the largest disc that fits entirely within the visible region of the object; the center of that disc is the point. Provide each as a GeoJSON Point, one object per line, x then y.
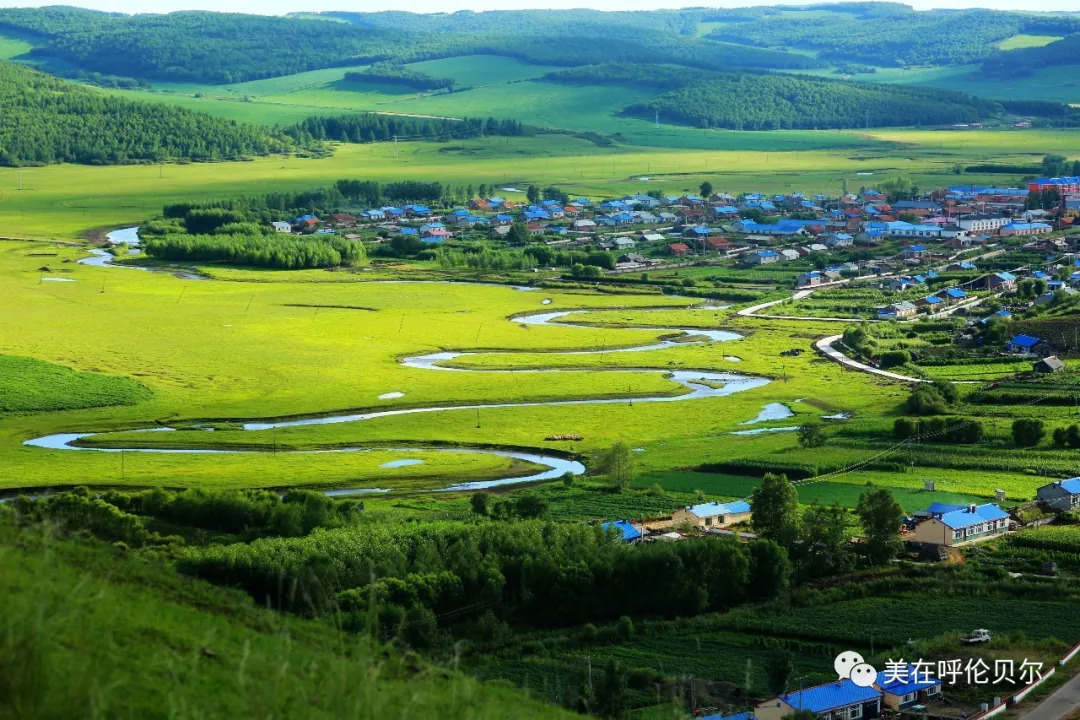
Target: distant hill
{"type": "Point", "coordinates": [1025, 61]}
{"type": "Point", "coordinates": [771, 102]}
{"type": "Point", "coordinates": [47, 120]}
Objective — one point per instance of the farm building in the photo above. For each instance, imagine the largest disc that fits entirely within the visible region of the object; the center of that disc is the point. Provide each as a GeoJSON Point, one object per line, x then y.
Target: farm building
{"type": "Point", "coordinates": [1062, 495]}
{"type": "Point", "coordinates": [840, 699]}
{"type": "Point", "coordinates": [708, 515]}
{"type": "Point", "coordinates": [1048, 365]}
{"type": "Point", "coordinates": [975, 522]}
{"type": "Point", "coordinates": [281, 226]}
{"type": "Point", "coordinates": [1001, 281]}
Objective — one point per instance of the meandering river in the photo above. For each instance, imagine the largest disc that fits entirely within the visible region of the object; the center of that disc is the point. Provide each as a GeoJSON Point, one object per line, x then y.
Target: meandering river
{"type": "Point", "coordinates": [698, 385]}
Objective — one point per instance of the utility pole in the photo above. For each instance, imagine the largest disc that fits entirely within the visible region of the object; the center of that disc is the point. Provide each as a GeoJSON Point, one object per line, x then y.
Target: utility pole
{"type": "Point", "coordinates": [20, 179]}
{"type": "Point", "coordinates": [395, 147]}
{"type": "Point", "coordinates": [657, 119]}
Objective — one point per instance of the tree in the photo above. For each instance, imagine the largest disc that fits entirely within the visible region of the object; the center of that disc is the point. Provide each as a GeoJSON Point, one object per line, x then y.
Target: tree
{"type": "Point", "coordinates": [531, 506]}
{"type": "Point", "coordinates": [706, 189]}
{"type": "Point", "coordinates": [1072, 436]}
{"type": "Point", "coordinates": [823, 550]}
{"type": "Point", "coordinates": [1059, 437]}
{"type": "Point", "coordinates": [880, 515]}
{"type": "Point", "coordinates": [479, 503]}
{"type": "Point", "coordinates": [1028, 433]}
{"type": "Point", "coordinates": [519, 234]}
{"type": "Point", "coordinates": [770, 569]}
{"type": "Point", "coordinates": [926, 400]}
{"type": "Point", "coordinates": [532, 193]}
{"type": "Point", "coordinates": [618, 466]}
{"type": "Point", "coordinates": [811, 435]}
{"type": "Point", "coordinates": [778, 669]}
{"type": "Point", "coordinates": [774, 507]}
{"type": "Point", "coordinates": [1054, 165]}
{"type": "Point", "coordinates": [610, 691]}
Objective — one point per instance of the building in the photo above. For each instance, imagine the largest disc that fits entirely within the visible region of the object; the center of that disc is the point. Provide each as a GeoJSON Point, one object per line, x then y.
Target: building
{"type": "Point", "coordinates": [1014, 229]}
{"type": "Point", "coordinates": [763, 257]}
{"type": "Point", "coordinates": [712, 515]}
{"type": "Point", "coordinates": [626, 530]}
{"type": "Point", "coordinates": [1064, 185]}
{"type": "Point", "coordinates": [281, 226]}
{"type": "Point", "coordinates": [1048, 365]}
{"type": "Point", "coordinates": [810, 279]}
{"type": "Point", "coordinates": [1061, 495]}
{"type": "Point", "coordinates": [679, 249]}
{"type": "Point", "coordinates": [1001, 281]}
{"type": "Point", "coordinates": [982, 223]}
{"type": "Point", "coordinates": [953, 295]}
{"type": "Point", "coordinates": [840, 699]}
{"type": "Point", "coordinates": [975, 522]}
{"type": "Point", "coordinates": [904, 686]}
{"type": "Point", "coordinates": [1023, 345]}
{"type": "Point", "coordinates": [897, 311]}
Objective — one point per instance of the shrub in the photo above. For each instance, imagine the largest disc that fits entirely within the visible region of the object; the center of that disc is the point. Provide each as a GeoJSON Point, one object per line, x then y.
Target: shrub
{"type": "Point", "coordinates": [1028, 433]}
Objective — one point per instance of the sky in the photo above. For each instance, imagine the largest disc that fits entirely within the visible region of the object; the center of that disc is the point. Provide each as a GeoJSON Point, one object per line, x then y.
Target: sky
{"type": "Point", "coordinates": [280, 7]}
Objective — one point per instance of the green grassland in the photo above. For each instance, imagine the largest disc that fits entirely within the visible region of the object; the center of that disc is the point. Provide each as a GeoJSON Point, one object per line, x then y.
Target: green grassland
{"type": "Point", "coordinates": [60, 200]}
{"type": "Point", "coordinates": [1017, 42]}
{"type": "Point", "coordinates": [29, 385]}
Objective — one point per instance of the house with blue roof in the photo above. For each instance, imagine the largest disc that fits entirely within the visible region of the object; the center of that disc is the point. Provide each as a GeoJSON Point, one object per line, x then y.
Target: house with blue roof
{"type": "Point", "coordinates": [839, 240]}
{"type": "Point", "coordinates": [626, 530]}
{"type": "Point", "coordinates": [900, 228]}
{"type": "Point", "coordinates": [902, 686]}
{"type": "Point", "coordinates": [937, 510]}
{"type": "Point", "coordinates": [930, 301]}
{"type": "Point", "coordinates": [726, 211]}
{"type": "Point", "coordinates": [1060, 495]}
{"type": "Point", "coordinates": [373, 215]}
{"type": "Point", "coordinates": [1000, 314]}
{"type": "Point", "coordinates": [915, 251]}
{"type": "Point", "coordinates": [392, 211]}
{"type": "Point", "coordinates": [713, 515]}
{"type": "Point", "coordinates": [748, 715]}
{"type": "Point", "coordinates": [1001, 281]}
{"type": "Point", "coordinates": [1014, 229]}
{"type": "Point", "coordinates": [839, 699]}
{"type": "Point", "coordinates": [975, 522]}
{"type": "Point", "coordinates": [763, 257]}
{"type": "Point", "coordinates": [417, 210]}
{"type": "Point", "coordinates": [952, 295]}
{"type": "Point", "coordinates": [409, 231]}
{"type": "Point", "coordinates": [1023, 345]}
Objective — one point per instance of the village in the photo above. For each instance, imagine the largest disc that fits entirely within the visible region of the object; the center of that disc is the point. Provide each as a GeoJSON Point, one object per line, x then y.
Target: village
{"type": "Point", "coordinates": [939, 533]}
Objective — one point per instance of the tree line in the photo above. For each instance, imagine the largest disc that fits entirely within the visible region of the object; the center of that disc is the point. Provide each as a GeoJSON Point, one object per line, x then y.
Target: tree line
{"type": "Point", "coordinates": [287, 252]}
{"type": "Point", "coordinates": [375, 127]}
{"type": "Point", "coordinates": [47, 120]}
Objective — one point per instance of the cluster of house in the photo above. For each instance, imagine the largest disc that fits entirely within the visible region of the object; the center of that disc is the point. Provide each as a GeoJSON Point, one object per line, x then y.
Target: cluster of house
{"type": "Point", "coordinates": [897, 688]}
{"type": "Point", "coordinates": [766, 229]}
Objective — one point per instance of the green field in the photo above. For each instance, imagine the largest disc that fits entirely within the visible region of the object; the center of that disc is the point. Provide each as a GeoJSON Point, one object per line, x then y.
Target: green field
{"type": "Point", "coordinates": [1016, 42]}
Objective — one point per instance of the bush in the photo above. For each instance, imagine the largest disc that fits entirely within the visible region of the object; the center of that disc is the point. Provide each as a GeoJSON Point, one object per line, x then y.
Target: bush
{"type": "Point", "coordinates": [1028, 433]}
{"type": "Point", "coordinates": [893, 358]}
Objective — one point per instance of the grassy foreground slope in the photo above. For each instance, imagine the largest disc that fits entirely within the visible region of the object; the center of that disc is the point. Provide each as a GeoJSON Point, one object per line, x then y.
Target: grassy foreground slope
{"type": "Point", "coordinates": [88, 632]}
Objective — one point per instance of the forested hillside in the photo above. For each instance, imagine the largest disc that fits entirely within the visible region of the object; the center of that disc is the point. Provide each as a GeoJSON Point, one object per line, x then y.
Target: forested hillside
{"type": "Point", "coordinates": [770, 102]}
{"type": "Point", "coordinates": [197, 46]}
{"type": "Point", "coordinates": [893, 34]}
{"type": "Point", "coordinates": [46, 120]}
{"type": "Point", "coordinates": [1023, 62]}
